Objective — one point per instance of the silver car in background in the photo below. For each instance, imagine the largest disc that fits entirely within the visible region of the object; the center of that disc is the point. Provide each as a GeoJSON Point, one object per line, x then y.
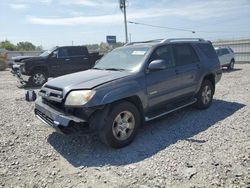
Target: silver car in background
{"type": "Point", "coordinates": [226, 57]}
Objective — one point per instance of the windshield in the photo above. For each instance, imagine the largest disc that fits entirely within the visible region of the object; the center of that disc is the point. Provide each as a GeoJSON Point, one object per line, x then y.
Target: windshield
{"type": "Point", "coordinates": [47, 52]}
{"type": "Point", "coordinates": [123, 59]}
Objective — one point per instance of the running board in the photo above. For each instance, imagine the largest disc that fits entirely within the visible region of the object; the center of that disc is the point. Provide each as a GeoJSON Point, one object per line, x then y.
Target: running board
{"type": "Point", "coordinates": [171, 110]}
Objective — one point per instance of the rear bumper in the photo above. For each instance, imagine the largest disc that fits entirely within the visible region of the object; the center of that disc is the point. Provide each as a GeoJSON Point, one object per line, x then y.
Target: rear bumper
{"type": "Point", "coordinates": [59, 120]}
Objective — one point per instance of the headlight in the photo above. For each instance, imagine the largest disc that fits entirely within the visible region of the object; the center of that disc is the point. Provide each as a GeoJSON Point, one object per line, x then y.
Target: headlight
{"type": "Point", "coordinates": [79, 98]}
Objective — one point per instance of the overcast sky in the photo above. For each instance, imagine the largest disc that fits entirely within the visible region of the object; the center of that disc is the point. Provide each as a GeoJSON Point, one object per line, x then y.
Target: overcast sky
{"type": "Point", "coordinates": [59, 22]}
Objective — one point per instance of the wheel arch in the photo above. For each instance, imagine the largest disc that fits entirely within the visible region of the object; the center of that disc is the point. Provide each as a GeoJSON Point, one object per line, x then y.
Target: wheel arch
{"type": "Point", "coordinates": [40, 68]}
{"type": "Point", "coordinates": [211, 78]}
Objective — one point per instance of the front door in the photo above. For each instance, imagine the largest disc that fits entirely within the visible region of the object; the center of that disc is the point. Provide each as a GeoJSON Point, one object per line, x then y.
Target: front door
{"type": "Point", "coordinates": [162, 85]}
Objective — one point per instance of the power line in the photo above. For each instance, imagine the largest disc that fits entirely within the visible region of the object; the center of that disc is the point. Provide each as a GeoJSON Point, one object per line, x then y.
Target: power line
{"type": "Point", "coordinates": [181, 29]}
{"type": "Point", "coordinates": [163, 27]}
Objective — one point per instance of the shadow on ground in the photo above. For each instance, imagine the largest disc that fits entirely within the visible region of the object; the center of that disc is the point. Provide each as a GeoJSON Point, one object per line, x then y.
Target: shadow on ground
{"type": "Point", "coordinates": [152, 138]}
{"type": "Point", "coordinates": [225, 70]}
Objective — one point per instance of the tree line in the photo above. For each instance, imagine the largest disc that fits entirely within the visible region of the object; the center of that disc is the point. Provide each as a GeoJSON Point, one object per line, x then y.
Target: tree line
{"type": "Point", "coordinates": [28, 46]}
{"type": "Point", "coordinates": [20, 46]}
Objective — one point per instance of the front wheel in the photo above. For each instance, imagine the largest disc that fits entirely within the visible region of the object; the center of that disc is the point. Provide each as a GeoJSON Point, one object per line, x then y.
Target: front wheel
{"type": "Point", "coordinates": [231, 65]}
{"type": "Point", "coordinates": [205, 95]}
{"type": "Point", "coordinates": [38, 78]}
{"type": "Point", "coordinates": [121, 126]}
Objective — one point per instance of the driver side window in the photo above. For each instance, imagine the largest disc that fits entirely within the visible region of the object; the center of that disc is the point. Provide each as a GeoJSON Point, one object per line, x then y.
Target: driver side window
{"type": "Point", "coordinates": [164, 53]}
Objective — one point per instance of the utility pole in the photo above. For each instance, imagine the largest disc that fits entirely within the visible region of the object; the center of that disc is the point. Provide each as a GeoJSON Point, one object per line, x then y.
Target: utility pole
{"type": "Point", "coordinates": [123, 8]}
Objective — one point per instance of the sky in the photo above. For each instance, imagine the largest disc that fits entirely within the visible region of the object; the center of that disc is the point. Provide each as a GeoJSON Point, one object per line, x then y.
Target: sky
{"type": "Point", "coordinates": [59, 22]}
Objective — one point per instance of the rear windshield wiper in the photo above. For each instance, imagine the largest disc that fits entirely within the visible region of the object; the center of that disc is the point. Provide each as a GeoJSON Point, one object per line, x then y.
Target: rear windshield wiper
{"type": "Point", "coordinates": [115, 69]}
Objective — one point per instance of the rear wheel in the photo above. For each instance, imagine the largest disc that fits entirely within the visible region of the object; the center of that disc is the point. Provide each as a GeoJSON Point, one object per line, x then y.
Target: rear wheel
{"type": "Point", "coordinates": [38, 78]}
{"type": "Point", "coordinates": [231, 65]}
{"type": "Point", "coordinates": [121, 125]}
{"type": "Point", "coordinates": [205, 95]}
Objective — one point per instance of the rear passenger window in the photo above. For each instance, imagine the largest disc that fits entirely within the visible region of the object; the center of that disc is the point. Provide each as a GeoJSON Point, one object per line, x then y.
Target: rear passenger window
{"type": "Point", "coordinates": [208, 50]}
{"type": "Point", "coordinates": [165, 53]}
{"type": "Point", "coordinates": [76, 51]}
{"type": "Point", "coordinates": [225, 51]}
{"type": "Point", "coordinates": [63, 52]}
{"type": "Point", "coordinates": [184, 54]}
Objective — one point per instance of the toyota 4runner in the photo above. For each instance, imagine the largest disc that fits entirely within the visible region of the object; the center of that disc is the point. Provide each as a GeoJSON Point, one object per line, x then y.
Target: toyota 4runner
{"type": "Point", "coordinates": [136, 83]}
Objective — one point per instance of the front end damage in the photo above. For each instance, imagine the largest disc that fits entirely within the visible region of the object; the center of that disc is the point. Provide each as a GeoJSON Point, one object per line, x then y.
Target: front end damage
{"type": "Point", "coordinates": [50, 110]}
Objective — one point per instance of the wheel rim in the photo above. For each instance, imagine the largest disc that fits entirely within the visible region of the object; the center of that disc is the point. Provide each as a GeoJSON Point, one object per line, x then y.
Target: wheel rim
{"type": "Point", "coordinates": [39, 78]}
{"type": "Point", "coordinates": [206, 95]}
{"type": "Point", "coordinates": [123, 125]}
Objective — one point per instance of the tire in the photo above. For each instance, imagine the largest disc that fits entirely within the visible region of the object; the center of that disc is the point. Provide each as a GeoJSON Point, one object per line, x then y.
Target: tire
{"type": "Point", "coordinates": [205, 95]}
{"type": "Point", "coordinates": [121, 125]}
{"type": "Point", "coordinates": [231, 65]}
{"type": "Point", "coordinates": [38, 78]}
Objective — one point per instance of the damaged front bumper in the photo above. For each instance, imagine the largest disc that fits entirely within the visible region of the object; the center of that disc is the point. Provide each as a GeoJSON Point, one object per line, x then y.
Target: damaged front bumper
{"type": "Point", "coordinates": [16, 71]}
{"type": "Point", "coordinates": [59, 120]}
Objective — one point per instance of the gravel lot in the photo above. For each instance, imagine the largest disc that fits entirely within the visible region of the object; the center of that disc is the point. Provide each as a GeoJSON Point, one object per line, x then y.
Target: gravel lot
{"type": "Point", "coordinates": [189, 148]}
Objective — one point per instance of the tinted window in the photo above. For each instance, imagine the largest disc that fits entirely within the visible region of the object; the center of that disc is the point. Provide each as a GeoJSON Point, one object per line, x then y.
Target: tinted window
{"type": "Point", "coordinates": [225, 51]}
{"type": "Point", "coordinates": [184, 54]}
{"type": "Point", "coordinates": [165, 53]}
{"type": "Point", "coordinates": [77, 51]}
{"type": "Point", "coordinates": [208, 50]}
{"type": "Point", "coordinates": [63, 52]}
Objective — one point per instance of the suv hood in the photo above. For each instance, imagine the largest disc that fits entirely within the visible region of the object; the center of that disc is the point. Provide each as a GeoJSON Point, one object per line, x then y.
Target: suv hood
{"type": "Point", "coordinates": [86, 79]}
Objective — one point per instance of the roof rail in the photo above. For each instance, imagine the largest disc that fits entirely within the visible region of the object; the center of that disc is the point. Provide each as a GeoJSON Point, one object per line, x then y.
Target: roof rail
{"type": "Point", "coordinates": [142, 42]}
{"type": "Point", "coordinates": [182, 39]}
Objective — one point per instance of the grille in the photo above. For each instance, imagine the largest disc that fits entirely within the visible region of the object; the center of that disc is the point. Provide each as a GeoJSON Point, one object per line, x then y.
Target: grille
{"type": "Point", "coordinates": [51, 93]}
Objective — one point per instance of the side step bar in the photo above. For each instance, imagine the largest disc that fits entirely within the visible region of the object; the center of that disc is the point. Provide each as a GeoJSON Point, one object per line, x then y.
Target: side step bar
{"type": "Point", "coordinates": [170, 111]}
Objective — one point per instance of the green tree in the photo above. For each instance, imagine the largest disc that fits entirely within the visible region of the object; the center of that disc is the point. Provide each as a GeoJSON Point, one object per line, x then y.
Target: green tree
{"type": "Point", "coordinates": [7, 45]}
{"type": "Point", "coordinates": [26, 46]}
{"type": "Point", "coordinates": [39, 48]}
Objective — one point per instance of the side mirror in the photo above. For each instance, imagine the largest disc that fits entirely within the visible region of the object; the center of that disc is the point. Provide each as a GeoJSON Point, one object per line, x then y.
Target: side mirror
{"type": "Point", "coordinates": [157, 65]}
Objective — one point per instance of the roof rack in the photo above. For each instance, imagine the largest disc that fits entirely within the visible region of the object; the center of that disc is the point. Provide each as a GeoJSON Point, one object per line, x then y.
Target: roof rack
{"type": "Point", "coordinates": [142, 42]}
{"type": "Point", "coordinates": [166, 41]}
{"type": "Point", "coordinates": [182, 39]}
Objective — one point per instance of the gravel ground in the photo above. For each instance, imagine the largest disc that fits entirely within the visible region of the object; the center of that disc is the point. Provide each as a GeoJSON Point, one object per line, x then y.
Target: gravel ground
{"type": "Point", "coordinates": [189, 148]}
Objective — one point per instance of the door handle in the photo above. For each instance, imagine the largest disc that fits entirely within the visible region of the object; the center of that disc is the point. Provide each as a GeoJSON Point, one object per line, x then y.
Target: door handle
{"type": "Point", "coordinates": [67, 59]}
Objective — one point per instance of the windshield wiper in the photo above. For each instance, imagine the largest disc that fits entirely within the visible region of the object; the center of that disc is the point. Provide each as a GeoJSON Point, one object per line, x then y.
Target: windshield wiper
{"type": "Point", "coordinates": [115, 69]}
{"type": "Point", "coordinates": [97, 68]}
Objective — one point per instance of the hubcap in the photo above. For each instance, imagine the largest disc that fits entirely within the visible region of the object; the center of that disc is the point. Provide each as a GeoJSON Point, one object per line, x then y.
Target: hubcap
{"type": "Point", "coordinates": [39, 78]}
{"type": "Point", "coordinates": [206, 95]}
{"type": "Point", "coordinates": [123, 125]}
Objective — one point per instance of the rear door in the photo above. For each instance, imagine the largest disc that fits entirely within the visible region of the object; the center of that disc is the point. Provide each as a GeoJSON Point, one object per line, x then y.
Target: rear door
{"type": "Point", "coordinates": [165, 84]}
{"type": "Point", "coordinates": [187, 67]}
{"type": "Point", "coordinates": [79, 59]}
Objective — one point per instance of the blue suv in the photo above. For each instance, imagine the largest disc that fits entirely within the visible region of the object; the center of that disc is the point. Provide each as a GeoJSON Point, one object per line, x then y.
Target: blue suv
{"type": "Point", "coordinates": [136, 83]}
